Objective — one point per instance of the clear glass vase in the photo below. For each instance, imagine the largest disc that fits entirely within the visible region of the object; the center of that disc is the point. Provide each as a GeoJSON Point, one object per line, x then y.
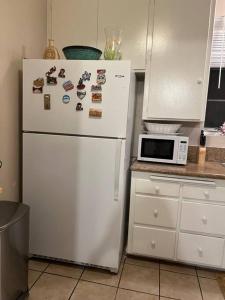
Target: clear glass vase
{"type": "Point", "coordinates": [51, 51]}
{"type": "Point", "coordinates": [113, 43]}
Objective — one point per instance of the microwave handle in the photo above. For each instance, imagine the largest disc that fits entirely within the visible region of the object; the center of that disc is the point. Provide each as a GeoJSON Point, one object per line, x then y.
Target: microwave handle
{"type": "Point", "coordinates": [173, 179]}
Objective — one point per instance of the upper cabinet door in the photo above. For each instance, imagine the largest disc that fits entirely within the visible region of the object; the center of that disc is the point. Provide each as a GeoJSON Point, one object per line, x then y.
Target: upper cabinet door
{"type": "Point", "coordinates": [73, 22]}
{"type": "Point", "coordinates": [132, 17]}
{"type": "Point", "coordinates": [178, 60]}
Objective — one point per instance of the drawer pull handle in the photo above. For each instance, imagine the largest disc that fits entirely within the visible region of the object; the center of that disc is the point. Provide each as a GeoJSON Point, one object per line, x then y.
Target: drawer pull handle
{"type": "Point", "coordinates": [204, 220]}
{"type": "Point", "coordinates": [200, 251]}
{"type": "Point", "coordinates": [206, 193]}
{"type": "Point", "coordinates": [153, 243]}
{"type": "Point", "coordinates": [156, 213]}
{"type": "Point", "coordinates": [157, 189]}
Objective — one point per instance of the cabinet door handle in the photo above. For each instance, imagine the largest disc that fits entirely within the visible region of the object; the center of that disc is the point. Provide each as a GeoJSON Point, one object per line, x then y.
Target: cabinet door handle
{"type": "Point", "coordinates": [157, 189]}
{"type": "Point", "coordinates": [200, 251]}
{"type": "Point", "coordinates": [153, 244]}
{"type": "Point", "coordinates": [206, 193]}
{"type": "Point", "coordinates": [204, 220]}
{"type": "Point", "coordinates": [156, 213]}
{"type": "Point", "coordinates": [199, 81]}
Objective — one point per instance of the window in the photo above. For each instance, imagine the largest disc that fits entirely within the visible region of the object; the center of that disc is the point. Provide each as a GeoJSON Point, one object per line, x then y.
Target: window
{"type": "Point", "coordinates": [215, 111]}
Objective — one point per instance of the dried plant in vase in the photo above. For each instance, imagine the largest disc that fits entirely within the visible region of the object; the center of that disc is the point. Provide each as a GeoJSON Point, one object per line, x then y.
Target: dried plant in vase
{"type": "Point", "coordinates": [51, 51]}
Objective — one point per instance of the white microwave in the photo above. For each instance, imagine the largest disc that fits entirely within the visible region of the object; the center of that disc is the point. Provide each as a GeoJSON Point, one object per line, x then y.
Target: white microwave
{"type": "Point", "coordinates": [172, 149]}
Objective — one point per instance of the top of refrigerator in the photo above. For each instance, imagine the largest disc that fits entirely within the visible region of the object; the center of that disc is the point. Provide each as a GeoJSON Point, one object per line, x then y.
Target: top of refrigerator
{"type": "Point", "coordinates": [89, 98]}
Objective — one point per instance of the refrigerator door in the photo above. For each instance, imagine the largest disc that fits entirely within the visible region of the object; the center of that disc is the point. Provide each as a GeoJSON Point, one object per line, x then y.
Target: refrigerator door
{"type": "Point", "coordinates": [54, 116]}
{"type": "Point", "coordinates": [73, 186]}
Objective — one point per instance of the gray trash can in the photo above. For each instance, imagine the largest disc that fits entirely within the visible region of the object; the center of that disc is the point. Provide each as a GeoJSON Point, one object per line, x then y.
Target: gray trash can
{"type": "Point", "coordinates": [14, 247]}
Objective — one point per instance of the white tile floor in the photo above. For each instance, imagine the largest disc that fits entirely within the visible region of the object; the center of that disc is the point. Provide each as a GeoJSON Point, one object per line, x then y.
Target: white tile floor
{"type": "Point", "coordinates": [138, 279]}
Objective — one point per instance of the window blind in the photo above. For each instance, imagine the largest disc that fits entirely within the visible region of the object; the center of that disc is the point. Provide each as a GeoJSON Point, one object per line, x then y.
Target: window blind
{"type": "Point", "coordinates": [218, 43]}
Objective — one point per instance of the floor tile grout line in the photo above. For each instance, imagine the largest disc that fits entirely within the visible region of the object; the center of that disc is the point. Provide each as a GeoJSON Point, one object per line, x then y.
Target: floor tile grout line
{"type": "Point", "coordinates": [120, 277]}
{"type": "Point", "coordinates": [74, 289]}
{"type": "Point", "coordinates": [141, 292]}
{"type": "Point", "coordinates": [159, 280]}
{"type": "Point", "coordinates": [199, 284]}
{"type": "Point", "coordinates": [35, 281]}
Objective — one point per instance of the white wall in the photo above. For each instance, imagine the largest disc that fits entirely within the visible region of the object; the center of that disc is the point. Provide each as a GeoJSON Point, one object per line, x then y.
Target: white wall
{"type": "Point", "coordinates": [23, 26]}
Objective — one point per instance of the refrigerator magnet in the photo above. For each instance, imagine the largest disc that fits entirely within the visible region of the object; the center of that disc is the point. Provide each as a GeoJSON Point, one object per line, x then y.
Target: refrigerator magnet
{"type": "Point", "coordinates": [79, 106]}
{"type": "Point", "coordinates": [101, 78]}
{"type": "Point", "coordinates": [95, 113]}
{"type": "Point", "coordinates": [86, 76]}
{"type": "Point", "coordinates": [96, 97]}
{"type": "Point", "coordinates": [96, 88]}
{"type": "Point", "coordinates": [68, 85]}
{"type": "Point", "coordinates": [37, 90]}
{"type": "Point", "coordinates": [81, 95]}
{"type": "Point", "coordinates": [51, 80]}
{"type": "Point", "coordinates": [39, 82]}
{"type": "Point", "coordinates": [66, 99]}
{"type": "Point", "coordinates": [62, 73]}
{"type": "Point", "coordinates": [47, 101]}
{"type": "Point", "coordinates": [80, 85]}
{"type": "Point", "coordinates": [51, 71]}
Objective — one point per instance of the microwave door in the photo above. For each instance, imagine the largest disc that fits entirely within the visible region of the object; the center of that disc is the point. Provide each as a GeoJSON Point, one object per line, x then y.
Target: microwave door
{"type": "Point", "coordinates": [158, 150]}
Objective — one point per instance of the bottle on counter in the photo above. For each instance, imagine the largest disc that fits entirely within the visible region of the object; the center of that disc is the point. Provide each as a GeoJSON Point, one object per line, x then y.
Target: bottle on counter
{"type": "Point", "coordinates": [202, 149]}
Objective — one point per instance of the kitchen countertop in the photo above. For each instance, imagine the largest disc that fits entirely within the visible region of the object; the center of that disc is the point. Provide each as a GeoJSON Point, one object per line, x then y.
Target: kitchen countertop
{"type": "Point", "coordinates": [213, 170]}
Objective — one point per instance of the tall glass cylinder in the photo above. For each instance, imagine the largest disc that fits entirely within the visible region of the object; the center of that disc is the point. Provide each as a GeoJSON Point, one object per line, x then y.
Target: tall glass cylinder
{"type": "Point", "coordinates": [113, 43]}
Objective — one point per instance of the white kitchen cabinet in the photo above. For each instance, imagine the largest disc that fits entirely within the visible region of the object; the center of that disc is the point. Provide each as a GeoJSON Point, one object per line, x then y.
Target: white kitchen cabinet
{"type": "Point", "coordinates": [132, 17]}
{"type": "Point", "coordinates": [177, 69]}
{"type": "Point", "coordinates": [178, 222]}
{"type": "Point", "coordinates": [73, 22]}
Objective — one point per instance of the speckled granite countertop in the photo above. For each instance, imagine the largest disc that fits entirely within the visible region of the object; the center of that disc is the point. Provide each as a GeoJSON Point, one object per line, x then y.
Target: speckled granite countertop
{"type": "Point", "coordinates": [213, 170]}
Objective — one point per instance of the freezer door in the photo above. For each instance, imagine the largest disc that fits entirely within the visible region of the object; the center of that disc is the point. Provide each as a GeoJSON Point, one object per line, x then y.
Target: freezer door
{"type": "Point", "coordinates": [72, 185]}
{"type": "Point", "coordinates": [57, 117]}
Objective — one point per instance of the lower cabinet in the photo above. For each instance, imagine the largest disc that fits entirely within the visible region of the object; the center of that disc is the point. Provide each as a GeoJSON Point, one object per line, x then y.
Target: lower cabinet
{"type": "Point", "coordinates": [155, 242]}
{"type": "Point", "coordinates": [200, 249]}
{"type": "Point", "coordinates": [175, 223]}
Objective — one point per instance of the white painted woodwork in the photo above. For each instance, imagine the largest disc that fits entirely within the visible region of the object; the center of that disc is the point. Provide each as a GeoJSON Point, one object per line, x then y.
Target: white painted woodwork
{"type": "Point", "coordinates": [200, 249]}
{"type": "Point", "coordinates": [155, 187]}
{"type": "Point", "coordinates": [73, 22]}
{"type": "Point", "coordinates": [178, 60]}
{"type": "Point", "coordinates": [155, 211]}
{"type": "Point", "coordinates": [203, 218]}
{"type": "Point", "coordinates": [132, 17]}
{"type": "Point", "coordinates": [208, 193]}
{"type": "Point", "coordinates": [179, 212]}
{"type": "Point", "coordinates": [154, 242]}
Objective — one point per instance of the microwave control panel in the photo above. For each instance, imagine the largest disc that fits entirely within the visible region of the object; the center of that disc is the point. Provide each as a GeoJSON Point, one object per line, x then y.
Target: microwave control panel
{"type": "Point", "coordinates": [182, 151]}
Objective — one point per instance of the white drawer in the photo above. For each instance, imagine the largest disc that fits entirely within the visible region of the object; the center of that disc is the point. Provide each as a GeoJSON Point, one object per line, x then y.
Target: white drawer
{"type": "Point", "coordinates": [200, 249]}
{"type": "Point", "coordinates": [155, 211]}
{"type": "Point", "coordinates": [205, 218]}
{"type": "Point", "coordinates": [153, 242]}
{"type": "Point", "coordinates": [204, 193]}
{"type": "Point", "coordinates": [155, 187]}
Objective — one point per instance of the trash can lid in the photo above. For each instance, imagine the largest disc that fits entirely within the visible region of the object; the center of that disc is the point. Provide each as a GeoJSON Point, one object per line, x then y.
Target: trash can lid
{"type": "Point", "coordinates": [11, 212]}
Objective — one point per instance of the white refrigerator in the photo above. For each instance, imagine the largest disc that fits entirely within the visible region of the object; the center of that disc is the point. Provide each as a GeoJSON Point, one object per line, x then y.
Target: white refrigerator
{"type": "Point", "coordinates": [77, 128]}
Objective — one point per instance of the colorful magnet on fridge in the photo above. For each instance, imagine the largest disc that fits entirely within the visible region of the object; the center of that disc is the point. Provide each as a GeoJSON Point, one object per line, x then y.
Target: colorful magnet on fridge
{"type": "Point", "coordinates": [68, 85]}
{"type": "Point", "coordinates": [62, 73]}
{"type": "Point", "coordinates": [37, 90]}
{"type": "Point", "coordinates": [39, 82]}
{"type": "Point", "coordinates": [101, 78]}
{"type": "Point", "coordinates": [51, 71]}
{"type": "Point", "coordinates": [47, 101]}
{"type": "Point", "coordinates": [66, 99]}
{"type": "Point", "coordinates": [81, 95]}
{"type": "Point", "coordinates": [86, 76]}
{"type": "Point", "coordinates": [80, 85]}
{"type": "Point", "coordinates": [79, 107]}
{"type": "Point", "coordinates": [96, 88]}
{"type": "Point", "coordinates": [51, 80]}
{"type": "Point", "coordinates": [95, 113]}
{"type": "Point", "coordinates": [96, 97]}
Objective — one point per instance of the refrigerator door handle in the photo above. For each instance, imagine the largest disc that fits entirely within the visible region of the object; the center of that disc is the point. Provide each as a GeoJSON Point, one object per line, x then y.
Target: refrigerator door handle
{"type": "Point", "coordinates": [117, 170]}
